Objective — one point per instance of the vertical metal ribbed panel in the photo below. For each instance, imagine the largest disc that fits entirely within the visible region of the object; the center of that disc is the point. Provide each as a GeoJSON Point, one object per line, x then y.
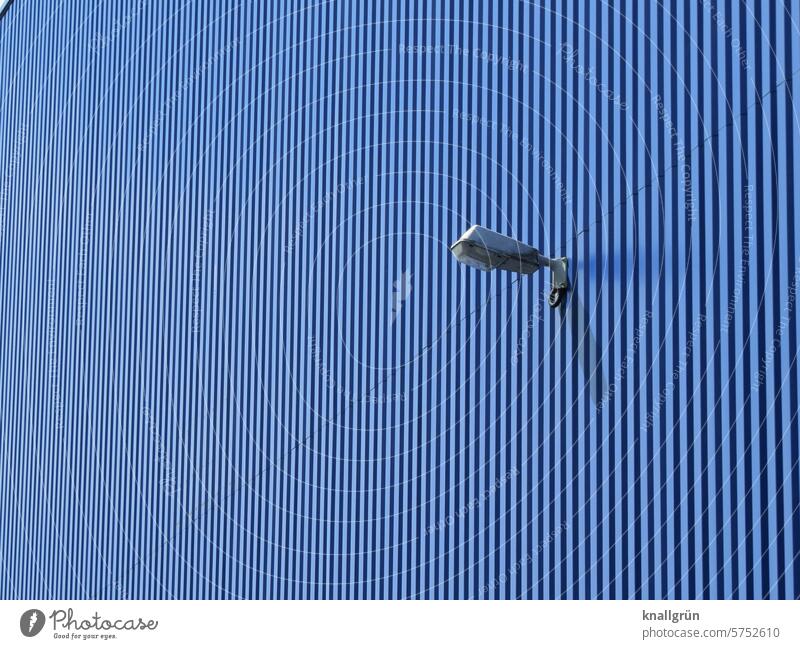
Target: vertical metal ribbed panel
{"type": "Point", "coordinates": [238, 360]}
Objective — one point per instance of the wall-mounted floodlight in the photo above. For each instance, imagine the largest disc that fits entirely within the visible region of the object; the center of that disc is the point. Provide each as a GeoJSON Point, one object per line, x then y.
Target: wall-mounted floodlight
{"type": "Point", "coordinates": [487, 250]}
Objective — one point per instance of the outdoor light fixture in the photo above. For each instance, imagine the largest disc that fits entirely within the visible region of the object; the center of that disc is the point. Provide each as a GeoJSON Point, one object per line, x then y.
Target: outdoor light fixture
{"type": "Point", "coordinates": [486, 250]}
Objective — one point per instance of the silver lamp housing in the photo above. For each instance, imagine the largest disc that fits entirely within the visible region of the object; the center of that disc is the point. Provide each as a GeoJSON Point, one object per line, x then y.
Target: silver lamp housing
{"type": "Point", "coordinates": [487, 250]}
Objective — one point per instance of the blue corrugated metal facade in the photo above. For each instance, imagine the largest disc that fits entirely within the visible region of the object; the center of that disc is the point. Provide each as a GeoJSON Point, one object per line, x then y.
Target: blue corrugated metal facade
{"type": "Point", "coordinates": [238, 360]}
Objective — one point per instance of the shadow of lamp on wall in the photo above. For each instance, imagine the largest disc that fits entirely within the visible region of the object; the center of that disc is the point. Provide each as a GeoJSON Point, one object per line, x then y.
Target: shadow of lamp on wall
{"type": "Point", "coordinates": [487, 250]}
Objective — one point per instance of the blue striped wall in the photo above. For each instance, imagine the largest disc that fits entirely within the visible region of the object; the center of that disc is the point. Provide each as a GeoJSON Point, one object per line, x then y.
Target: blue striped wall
{"type": "Point", "coordinates": [238, 360]}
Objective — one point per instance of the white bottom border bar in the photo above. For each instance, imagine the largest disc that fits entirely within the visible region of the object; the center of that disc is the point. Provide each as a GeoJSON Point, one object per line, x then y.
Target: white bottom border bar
{"type": "Point", "coordinates": [400, 624]}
